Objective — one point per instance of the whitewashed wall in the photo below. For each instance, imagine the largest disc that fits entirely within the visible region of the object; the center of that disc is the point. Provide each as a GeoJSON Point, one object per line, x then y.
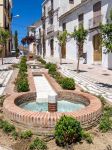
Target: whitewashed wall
{"type": "Point", "coordinates": [71, 21]}
{"type": "Point", "coordinates": [60, 7]}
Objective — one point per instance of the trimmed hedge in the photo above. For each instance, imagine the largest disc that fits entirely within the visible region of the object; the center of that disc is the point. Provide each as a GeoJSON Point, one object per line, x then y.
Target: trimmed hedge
{"type": "Point", "coordinates": [66, 83]}
{"type": "Point", "coordinates": [22, 84]}
{"type": "Point", "coordinates": [52, 69]}
{"type": "Point", "coordinates": [41, 60]}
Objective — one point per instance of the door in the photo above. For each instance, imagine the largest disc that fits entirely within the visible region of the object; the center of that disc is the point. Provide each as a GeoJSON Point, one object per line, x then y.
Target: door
{"type": "Point", "coordinates": [97, 47]}
{"type": "Point", "coordinates": [52, 47]}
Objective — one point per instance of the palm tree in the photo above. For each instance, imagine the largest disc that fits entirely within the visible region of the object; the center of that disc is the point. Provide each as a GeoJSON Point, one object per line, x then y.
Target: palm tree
{"type": "Point", "coordinates": [4, 36]}
{"type": "Point", "coordinates": [62, 38]}
{"type": "Point", "coordinates": [79, 35]}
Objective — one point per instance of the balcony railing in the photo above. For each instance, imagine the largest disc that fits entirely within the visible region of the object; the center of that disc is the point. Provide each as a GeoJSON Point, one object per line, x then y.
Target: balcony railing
{"type": "Point", "coordinates": [95, 22]}
{"type": "Point", "coordinates": [50, 29]}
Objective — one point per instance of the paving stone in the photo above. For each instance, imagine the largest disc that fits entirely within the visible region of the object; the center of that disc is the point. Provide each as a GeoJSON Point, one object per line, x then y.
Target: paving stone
{"type": "Point", "coordinates": [92, 85]}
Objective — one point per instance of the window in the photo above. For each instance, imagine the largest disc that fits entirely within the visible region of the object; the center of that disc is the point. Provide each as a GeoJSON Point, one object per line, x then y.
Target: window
{"type": "Point", "coordinates": [52, 4]}
{"type": "Point", "coordinates": [64, 26]}
{"type": "Point", "coordinates": [51, 20]}
{"type": "Point", "coordinates": [71, 1]}
{"type": "Point", "coordinates": [81, 19]}
{"type": "Point", "coordinates": [40, 32]}
{"type": "Point", "coordinates": [44, 10]}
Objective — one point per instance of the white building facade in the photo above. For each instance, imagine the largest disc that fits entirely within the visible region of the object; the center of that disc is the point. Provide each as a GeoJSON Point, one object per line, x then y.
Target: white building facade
{"type": "Point", "coordinates": [59, 15]}
{"type": "Point", "coordinates": [51, 11]}
{"type": "Point", "coordinates": [36, 31]}
{"type": "Point", "coordinates": [90, 13]}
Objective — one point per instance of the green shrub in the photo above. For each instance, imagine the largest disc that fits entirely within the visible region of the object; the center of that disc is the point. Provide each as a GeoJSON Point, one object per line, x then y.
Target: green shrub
{"type": "Point", "coordinates": [105, 123]}
{"type": "Point", "coordinates": [52, 69]}
{"type": "Point", "coordinates": [67, 131]}
{"type": "Point", "coordinates": [108, 110]}
{"type": "Point", "coordinates": [26, 135]}
{"type": "Point", "coordinates": [7, 127]}
{"type": "Point", "coordinates": [38, 144]}
{"type": "Point", "coordinates": [1, 124]}
{"type": "Point", "coordinates": [41, 60]}
{"type": "Point", "coordinates": [48, 65]}
{"type": "Point", "coordinates": [22, 75]}
{"type": "Point", "coordinates": [23, 59]}
{"type": "Point", "coordinates": [22, 81]}
{"type": "Point", "coordinates": [58, 77]}
{"type": "Point", "coordinates": [86, 136]}
{"type": "Point", "coordinates": [23, 67]}
{"type": "Point", "coordinates": [22, 85]}
{"type": "Point", "coordinates": [68, 83]}
{"type": "Point", "coordinates": [15, 135]}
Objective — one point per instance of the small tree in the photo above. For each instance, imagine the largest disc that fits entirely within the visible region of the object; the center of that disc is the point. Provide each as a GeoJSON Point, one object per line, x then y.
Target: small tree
{"type": "Point", "coordinates": [62, 38]}
{"type": "Point", "coordinates": [4, 35]}
{"type": "Point", "coordinates": [79, 35]}
{"type": "Point", "coordinates": [30, 39]}
{"type": "Point", "coordinates": [106, 32]}
{"type": "Point", "coordinates": [16, 43]}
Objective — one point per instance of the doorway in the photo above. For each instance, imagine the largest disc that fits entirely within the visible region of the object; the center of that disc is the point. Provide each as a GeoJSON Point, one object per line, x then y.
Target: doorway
{"type": "Point", "coordinates": [97, 47]}
{"type": "Point", "coordinates": [52, 46]}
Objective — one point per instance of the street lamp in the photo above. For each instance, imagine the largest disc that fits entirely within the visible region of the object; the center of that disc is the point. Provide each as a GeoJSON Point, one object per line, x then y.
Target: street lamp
{"type": "Point", "coordinates": [16, 16]}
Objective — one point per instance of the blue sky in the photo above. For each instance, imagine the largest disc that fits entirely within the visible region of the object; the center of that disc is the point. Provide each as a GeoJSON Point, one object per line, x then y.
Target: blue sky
{"type": "Point", "coordinates": [29, 11]}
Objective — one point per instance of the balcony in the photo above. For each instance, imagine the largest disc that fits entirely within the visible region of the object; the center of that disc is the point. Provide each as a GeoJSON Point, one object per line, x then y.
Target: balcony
{"type": "Point", "coordinates": [95, 22]}
{"type": "Point", "coordinates": [50, 10]}
{"type": "Point", "coordinates": [50, 29]}
{"type": "Point", "coordinates": [38, 37]}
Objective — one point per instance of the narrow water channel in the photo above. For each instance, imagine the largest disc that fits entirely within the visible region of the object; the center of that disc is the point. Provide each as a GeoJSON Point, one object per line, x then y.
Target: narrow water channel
{"type": "Point", "coordinates": [43, 88]}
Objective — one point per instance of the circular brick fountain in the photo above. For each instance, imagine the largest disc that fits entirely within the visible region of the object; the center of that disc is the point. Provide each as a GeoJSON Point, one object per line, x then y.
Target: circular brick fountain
{"type": "Point", "coordinates": [45, 121]}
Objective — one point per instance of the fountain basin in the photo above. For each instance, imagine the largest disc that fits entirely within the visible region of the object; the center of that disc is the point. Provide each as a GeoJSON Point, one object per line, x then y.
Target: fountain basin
{"type": "Point", "coordinates": [40, 122]}
{"type": "Point", "coordinates": [62, 106]}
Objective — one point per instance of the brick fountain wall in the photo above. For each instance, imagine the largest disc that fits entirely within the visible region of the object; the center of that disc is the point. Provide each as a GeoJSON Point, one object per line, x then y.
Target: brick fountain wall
{"type": "Point", "coordinates": [45, 121]}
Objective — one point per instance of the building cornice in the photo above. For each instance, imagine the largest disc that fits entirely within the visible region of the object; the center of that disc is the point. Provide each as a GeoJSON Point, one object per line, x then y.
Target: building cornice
{"type": "Point", "coordinates": [45, 1]}
{"type": "Point", "coordinates": [84, 2]}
